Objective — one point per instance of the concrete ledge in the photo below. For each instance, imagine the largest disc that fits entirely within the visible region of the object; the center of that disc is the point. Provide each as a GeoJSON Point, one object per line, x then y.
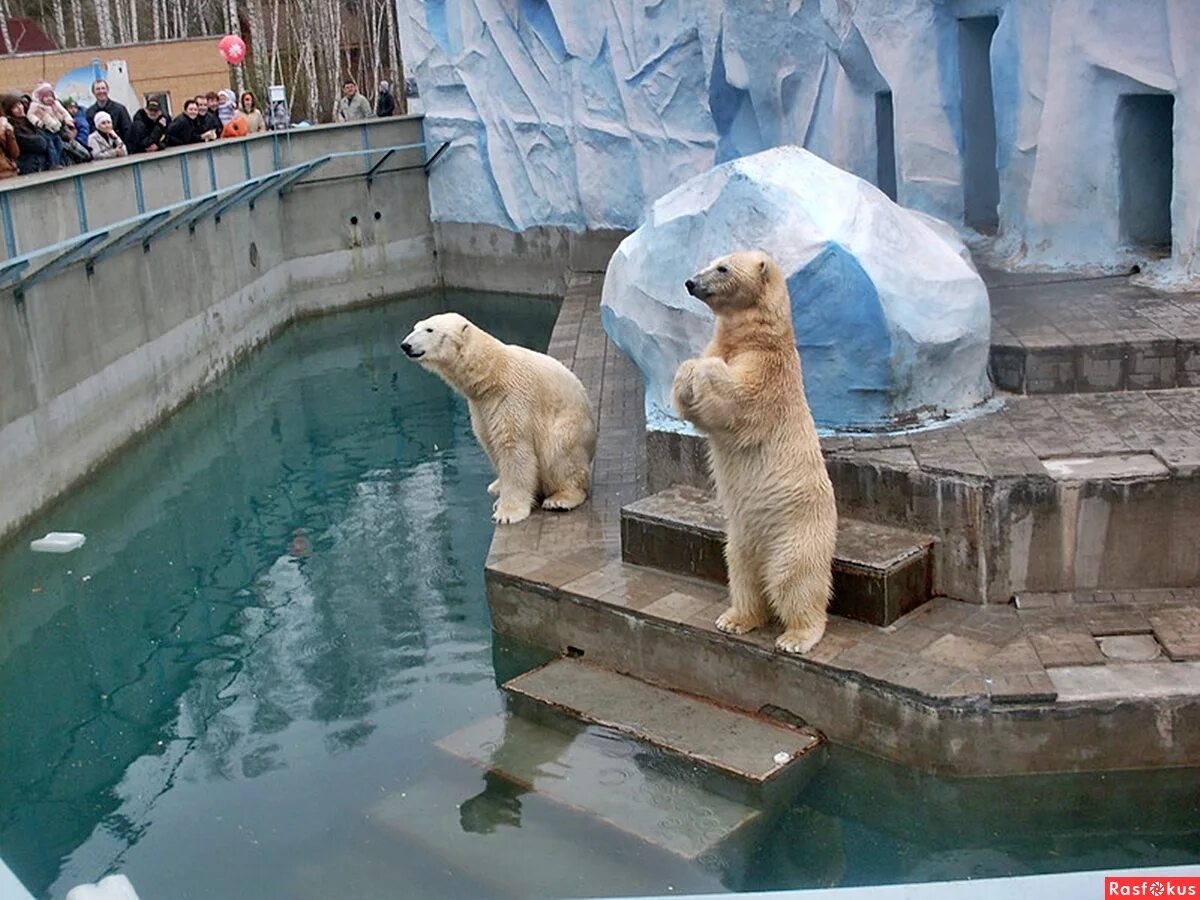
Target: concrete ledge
{"type": "Point", "coordinates": [963, 735]}
{"type": "Point", "coordinates": [1004, 521]}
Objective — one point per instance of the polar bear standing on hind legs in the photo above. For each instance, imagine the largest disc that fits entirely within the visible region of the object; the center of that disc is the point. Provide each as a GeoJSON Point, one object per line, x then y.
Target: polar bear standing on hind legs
{"type": "Point", "coordinates": [746, 394]}
{"type": "Point", "coordinates": [528, 410]}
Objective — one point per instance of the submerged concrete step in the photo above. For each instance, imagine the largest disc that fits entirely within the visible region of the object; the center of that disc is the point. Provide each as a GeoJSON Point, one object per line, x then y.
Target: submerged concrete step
{"type": "Point", "coordinates": [597, 772]}
{"type": "Point", "coordinates": [477, 836]}
{"type": "Point", "coordinates": [879, 572]}
{"type": "Point", "coordinates": [736, 744]}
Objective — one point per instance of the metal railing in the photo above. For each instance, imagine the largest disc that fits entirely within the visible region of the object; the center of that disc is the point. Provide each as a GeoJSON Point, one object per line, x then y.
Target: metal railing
{"type": "Point", "coordinates": [92, 247]}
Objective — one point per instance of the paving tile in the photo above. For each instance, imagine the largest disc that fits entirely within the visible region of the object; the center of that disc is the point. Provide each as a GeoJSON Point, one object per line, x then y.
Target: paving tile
{"type": "Point", "coordinates": [829, 647]}
{"type": "Point", "coordinates": [1178, 630]}
{"type": "Point", "coordinates": [1115, 619]}
{"type": "Point", "coordinates": [1016, 657]}
{"type": "Point", "coordinates": [872, 661]}
{"type": "Point", "coordinates": [1036, 688]}
{"type": "Point", "coordinates": [518, 565]}
{"type": "Point", "coordinates": [959, 652]}
{"type": "Point", "coordinates": [908, 639]}
{"type": "Point", "coordinates": [926, 676]}
{"type": "Point", "coordinates": [674, 607]}
{"type": "Point", "coordinates": [1062, 647]}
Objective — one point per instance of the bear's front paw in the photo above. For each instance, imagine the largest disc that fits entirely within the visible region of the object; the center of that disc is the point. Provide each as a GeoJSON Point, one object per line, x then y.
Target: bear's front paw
{"type": "Point", "coordinates": [799, 640]}
{"type": "Point", "coordinates": [733, 622]}
{"type": "Point", "coordinates": [682, 389]}
{"type": "Point", "coordinates": [509, 515]}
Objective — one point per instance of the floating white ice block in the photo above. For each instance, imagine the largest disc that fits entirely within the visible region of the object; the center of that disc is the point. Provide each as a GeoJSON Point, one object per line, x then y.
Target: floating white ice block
{"type": "Point", "coordinates": [114, 887]}
{"type": "Point", "coordinates": [58, 542]}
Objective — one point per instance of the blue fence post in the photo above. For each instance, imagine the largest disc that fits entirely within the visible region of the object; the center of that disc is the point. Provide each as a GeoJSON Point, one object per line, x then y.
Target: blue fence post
{"type": "Point", "coordinates": [185, 176]}
{"type": "Point", "coordinates": [81, 205]}
{"type": "Point", "coordinates": [138, 194]}
{"type": "Point", "coordinates": [10, 234]}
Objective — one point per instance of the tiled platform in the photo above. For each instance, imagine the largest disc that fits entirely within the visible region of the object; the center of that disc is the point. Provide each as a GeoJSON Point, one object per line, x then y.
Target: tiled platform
{"type": "Point", "coordinates": [952, 686]}
{"type": "Point", "coordinates": [1054, 336]}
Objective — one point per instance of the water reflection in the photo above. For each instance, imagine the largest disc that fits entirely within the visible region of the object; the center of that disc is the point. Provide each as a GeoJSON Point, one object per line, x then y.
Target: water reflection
{"type": "Point", "coordinates": [282, 552]}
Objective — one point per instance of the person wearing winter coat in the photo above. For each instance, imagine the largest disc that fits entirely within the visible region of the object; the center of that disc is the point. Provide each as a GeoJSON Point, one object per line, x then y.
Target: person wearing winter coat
{"type": "Point", "coordinates": [9, 151]}
{"type": "Point", "coordinates": [254, 116]}
{"type": "Point", "coordinates": [73, 152]}
{"type": "Point", "coordinates": [353, 106]}
{"type": "Point", "coordinates": [226, 106]}
{"type": "Point", "coordinates": [49, 115]}
{"type": "Point", "coordinates": [187, 127]}
{"type": "Point", "coordinates": [385, 103]}
{"type": "Point", "coordinates": [104, 142]}
{"type": "Point", "coordinates": [210, 115]}
{"type": "Point", "coordinates": [149, 130]}
{"type": "Point", "coordinates": [119, 114]}
{"type": "Point", "coordinates": [32, 144]}
{"type": "Point", "coordinates": [82, 129]}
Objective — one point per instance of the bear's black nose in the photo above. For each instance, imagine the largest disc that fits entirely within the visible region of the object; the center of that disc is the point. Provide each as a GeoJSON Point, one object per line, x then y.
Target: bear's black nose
{"type": "Point", "coordinates": [407, 348]}
{"type": "Point", "coordinates": [690, 285]}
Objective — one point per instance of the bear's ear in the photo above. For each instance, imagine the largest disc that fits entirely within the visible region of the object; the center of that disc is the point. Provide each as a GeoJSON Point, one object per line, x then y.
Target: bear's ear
{"type": "Point", "coordinates": [465, 326]}
{"type": "Point", "coordinates": [764, 271]}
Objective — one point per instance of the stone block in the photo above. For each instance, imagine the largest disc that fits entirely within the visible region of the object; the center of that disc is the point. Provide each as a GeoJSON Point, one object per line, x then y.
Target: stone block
{"type": "Point", "coordinates": [879, 572]}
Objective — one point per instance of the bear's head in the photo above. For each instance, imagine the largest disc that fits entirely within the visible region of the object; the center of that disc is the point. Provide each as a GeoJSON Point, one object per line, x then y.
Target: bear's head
{"type": "Point", "coordinates": [438, 339]}
{"type": "Point", "coordinates": [735, 282]}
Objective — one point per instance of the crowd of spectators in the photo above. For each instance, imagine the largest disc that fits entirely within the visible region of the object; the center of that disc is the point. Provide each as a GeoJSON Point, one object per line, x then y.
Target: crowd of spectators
{"type": "Point", "coordinates": [40, 132]}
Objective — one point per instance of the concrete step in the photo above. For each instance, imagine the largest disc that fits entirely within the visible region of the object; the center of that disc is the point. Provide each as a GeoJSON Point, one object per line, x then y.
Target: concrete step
{"type": "Point", "coordinates": [595, 771]}
{"type": "Point", "coordinates": [734, 744]}
{"type": "Point", "coordinates": [879, 572]}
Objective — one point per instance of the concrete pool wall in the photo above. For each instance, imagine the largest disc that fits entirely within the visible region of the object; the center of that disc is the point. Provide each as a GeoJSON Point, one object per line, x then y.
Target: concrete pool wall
{"type": "Point", "coordinates": [94, 353]}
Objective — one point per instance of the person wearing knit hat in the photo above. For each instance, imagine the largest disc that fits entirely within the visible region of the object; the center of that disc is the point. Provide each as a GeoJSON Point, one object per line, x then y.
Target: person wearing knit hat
{"type": "Point", "coordinates": [228, 105]}
{"type": "Point", "coordinates": [385, 103]}
{"type": "Point", "coordinates": [48, 114]}
{"type": "Point", "coordinates": [104, 142]}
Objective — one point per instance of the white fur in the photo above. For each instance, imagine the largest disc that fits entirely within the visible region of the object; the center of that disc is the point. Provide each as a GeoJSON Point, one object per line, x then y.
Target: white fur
{"type": "Point", "coordinates": [747, 395]}
{"type": "Point", "coordinates": [528, 410]}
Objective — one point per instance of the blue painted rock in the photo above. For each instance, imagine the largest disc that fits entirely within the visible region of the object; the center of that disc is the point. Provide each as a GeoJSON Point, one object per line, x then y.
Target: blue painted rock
{"type": "Point", "coordinates": [891, 318]}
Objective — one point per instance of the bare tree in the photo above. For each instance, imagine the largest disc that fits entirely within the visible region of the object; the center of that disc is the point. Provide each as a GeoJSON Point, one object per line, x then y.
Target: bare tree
{"type": "Point", "coordinates": [104, 23]}
{"type": "Point", "coordinates": [5, 15]}
{"type": "Point", "coordinates": [122, 25]}
{"type": "Point", "coordinates": [394, 68]}
{"type": "Point", "coordinates": [77, 22]}
{"type": "Point", "coordinates": [60, 22]}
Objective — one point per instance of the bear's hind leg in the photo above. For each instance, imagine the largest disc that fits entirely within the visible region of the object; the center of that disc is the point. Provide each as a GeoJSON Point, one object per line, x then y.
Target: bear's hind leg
{"type": "Point", "coordinates": [747, 598]}
{"type": "Point", "coordinates": [801, 601]}
{"type": "Point", "coordinates": [567, 474]}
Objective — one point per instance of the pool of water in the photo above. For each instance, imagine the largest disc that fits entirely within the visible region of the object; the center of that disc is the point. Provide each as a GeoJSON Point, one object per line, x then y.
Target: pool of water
{"type": "Point", "coordinates": [243, 685]}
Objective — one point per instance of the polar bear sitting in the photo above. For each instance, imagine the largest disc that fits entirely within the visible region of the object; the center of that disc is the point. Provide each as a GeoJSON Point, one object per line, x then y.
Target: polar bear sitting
{"type": "Point", "coordinates": [746, 394]}
{"type": "Point", "coordinates": [528, 410]}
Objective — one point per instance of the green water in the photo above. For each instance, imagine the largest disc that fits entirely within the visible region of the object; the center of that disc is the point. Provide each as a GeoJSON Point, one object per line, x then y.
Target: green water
{"type": "Point", "coordinates": [235, 688]}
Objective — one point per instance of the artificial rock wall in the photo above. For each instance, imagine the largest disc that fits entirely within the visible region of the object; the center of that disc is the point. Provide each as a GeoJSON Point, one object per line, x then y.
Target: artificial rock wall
{"type": "Point", "coordinates": [1012, 114]}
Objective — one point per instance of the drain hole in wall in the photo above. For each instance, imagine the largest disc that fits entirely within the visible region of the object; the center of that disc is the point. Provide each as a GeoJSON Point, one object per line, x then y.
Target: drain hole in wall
{"type": "Point", "coordinates": [378, 215]}
{"type": "Point", "coordinates": [254, 254]}
{"type": "Point", "coordinates": [1135, 269]}
{"type": "Point", "coordinates": [574, 652]}
{"type": "Point", "coordinates": [354, 220]}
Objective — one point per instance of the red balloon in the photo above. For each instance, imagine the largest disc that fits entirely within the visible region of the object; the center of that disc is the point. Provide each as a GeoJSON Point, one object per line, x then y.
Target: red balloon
{"type": "Point", "coordinates": [233, 49]}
